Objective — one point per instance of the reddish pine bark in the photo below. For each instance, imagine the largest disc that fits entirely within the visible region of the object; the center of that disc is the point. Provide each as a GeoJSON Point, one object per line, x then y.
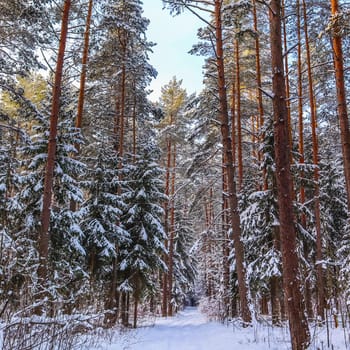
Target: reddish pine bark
{"type": "Point", "coordinates": [341, 98]}
{"type": "Point", "coordinates": [232, 197]}
{"type": "Point", "coordinates": [84, 61]}
{"type": "Point", "coordinates": [286, 67]}
{"type": "Point", "coordinates": [81, 98]}
{"type": "Point", "coordinates": [51, 153]}
{"type": "Point", "coordinates": [321, 304]}
{"type": "Point", "coordinates": [297, 321]}
{"type": "Point", "coordinates": [233, 118]}
{"type": "Point", "coordinates": [258, 68]}
{"type": "Point", "coordinates": [239, 117]}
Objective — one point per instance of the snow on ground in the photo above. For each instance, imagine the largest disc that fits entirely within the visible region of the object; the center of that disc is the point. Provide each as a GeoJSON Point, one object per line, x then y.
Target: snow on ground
{"type": "Point", "coordinates": [190, 330]}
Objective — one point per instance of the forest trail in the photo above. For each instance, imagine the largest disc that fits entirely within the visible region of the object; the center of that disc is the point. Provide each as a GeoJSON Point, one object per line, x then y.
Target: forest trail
{"type": "Point", "coordinates": [190, 330]}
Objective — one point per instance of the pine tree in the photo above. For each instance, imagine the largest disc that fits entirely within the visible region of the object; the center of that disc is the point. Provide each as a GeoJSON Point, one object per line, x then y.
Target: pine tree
{"type": "Point", "coordinates": [142, 258]}
{"type": "Point", "coordinates": [50, 164]}
{"type": "Point", "coordinates": [100, 215]}
{"type": "Point", "coordinates": [297, 321]}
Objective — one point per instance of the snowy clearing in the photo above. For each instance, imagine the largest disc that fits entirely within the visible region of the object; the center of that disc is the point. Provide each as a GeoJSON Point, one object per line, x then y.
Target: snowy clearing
{"type": "Point", "coordinates": [190, 330]}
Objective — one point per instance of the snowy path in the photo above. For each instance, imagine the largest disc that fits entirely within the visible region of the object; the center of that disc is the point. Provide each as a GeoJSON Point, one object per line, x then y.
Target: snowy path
{"type": "Point", "coordinates": [190, 330]}
{"type": "Point", "coordinates": [187, 331]}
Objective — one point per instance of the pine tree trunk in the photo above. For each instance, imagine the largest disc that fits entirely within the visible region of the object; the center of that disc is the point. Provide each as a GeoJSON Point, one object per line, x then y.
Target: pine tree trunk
{"type": "Point", "coordinates": [111, 301]}
{"type": "Point", "coordinates": [84, 61]}
{"type": "Point", "coordinates": [110, 304]}
{"type": "Point", "coordinates": [341, 98]}
{"type": "Point", "coordinates": [123, 309]}
{"type": "Point", "coordinates": [225, 247]}
{"type": "Point", "coordinates": [44, 237]}
{"type": "Point", "coordinates": [81, 98]}
{"type": "Point", "coordinates": [321, 300]}
{"type": "Point", "coordinates": [233, 202]}
{"type": "Point", "coordinates": [122, 113]}
{"type": "Point", "coordinates": [166, 229]}
{"type": "Point", "coordinates": [308, 287]}
{"type": "Point", "coordinates": [171, 235]}
{"type": "Point", "coordinates": [264, 305]}
{"type": "Point", "coordinates": [136, 303]}
{"type": "Point", "coordinates": [286, 67]}
{"type": "Point", "coordinates": [239, 117]}
{"type": "Point", "coordinates": [258, 68]}
{"type": "Point", "coordinates": [233, 117]}
{"type": "Point", "coordinates": [275, 310]}
{"type": "Point", "coordinates": [134, 126]}
{"type": "Point", "coordinates": [291, 281]}
{"type": "Point", "coordinates": [300, 114]}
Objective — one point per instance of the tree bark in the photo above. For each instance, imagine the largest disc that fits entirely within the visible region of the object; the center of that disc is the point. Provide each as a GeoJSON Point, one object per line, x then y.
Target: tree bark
{"type": "Point", "coordinates": [81, 98]}
{"type": "Point", "coordinates": [286, 66]}
{"type": "Point", "coordinates": [258, 68]}
{"type": "Point", "coordinates": [136, 303]}
{"type": "Point", "coordinates": [171, 235]}
{"type": "Point", "coordinates": [51, 153]}
{"type": "Point", "coordinates": [321, 300]}
{"type": "Point", "coordinates": [233, 117]}
{"type": "Point", "coordinates": [122, 113]}
{"type": "Point", "coordinates": [225, 247]}
{"type": "Point", "coordinates": [134, 142]}
{"type": "Point", "coordinates": [341, 98]}
{"type": "Point", "coordinates": [84, 61]}
{"type": "Point", "coordinates": [166, 228]}
{"type": "Point", "coordinates": [233, 202]}
{"type": "Point", "coordinates": [291, 282]}
{"type": "Point", "coordinates": [300, 114]}
{"type": "Point", "coordinates": [239, 117]}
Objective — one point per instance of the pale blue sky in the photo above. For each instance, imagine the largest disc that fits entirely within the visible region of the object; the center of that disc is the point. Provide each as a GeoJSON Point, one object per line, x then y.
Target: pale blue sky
{"type": "Point", "coordinates": [174, 37]}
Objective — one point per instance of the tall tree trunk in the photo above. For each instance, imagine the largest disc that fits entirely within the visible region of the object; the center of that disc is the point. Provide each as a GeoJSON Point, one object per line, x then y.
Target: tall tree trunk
{"type": "Point", "coordinates": [81, 98]}
{"type": "Point", "coordinates": [226, 140]}
{"type": "Point", "coordinates": [136, 303]}
{"type": "Point", "coordinates": [134, 125]}
{"type": "Point", "coordinates": [225, 247]}
{"type": "Point", "coordinates": [166, 228]}
{"type": "Point", "coordinates": [122, 114]}
{"type": "Point", "coordinates": [111, 318]}
{"type": "Point", "coordinates": [258, 68]}
{"type": "Point", "coordinates": [51, 153]}
{"type": "Point", "coordinates": [300, 114]}
{"type": "Point", "coordinates": [275, 309]}
{"type": "Point", "coordinates": [319, 255]}
{"type": "Point", "coordinates": [239, 117]}
{"type": "Point", "coordinates": [341, 97]}
{"type": "Point", "coordinates": [286, 67]}
{"type": "Point", "coordinates": [84, 61]}
{"type": "Point", "coordinates": [291, 281]}
{"type": "Point", "coordinates": [171, 234]}
{"type": "Point", "coordinates": [233, 117]}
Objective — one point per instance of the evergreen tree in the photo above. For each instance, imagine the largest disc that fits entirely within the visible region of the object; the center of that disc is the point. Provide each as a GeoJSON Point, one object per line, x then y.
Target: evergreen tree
{"type": "Point", "coordinates": [142, 258]}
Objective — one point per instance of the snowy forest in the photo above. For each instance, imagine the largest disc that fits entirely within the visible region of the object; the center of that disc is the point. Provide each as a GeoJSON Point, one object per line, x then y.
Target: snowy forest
{"type": "Point", "coordinates": [235, 199]}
